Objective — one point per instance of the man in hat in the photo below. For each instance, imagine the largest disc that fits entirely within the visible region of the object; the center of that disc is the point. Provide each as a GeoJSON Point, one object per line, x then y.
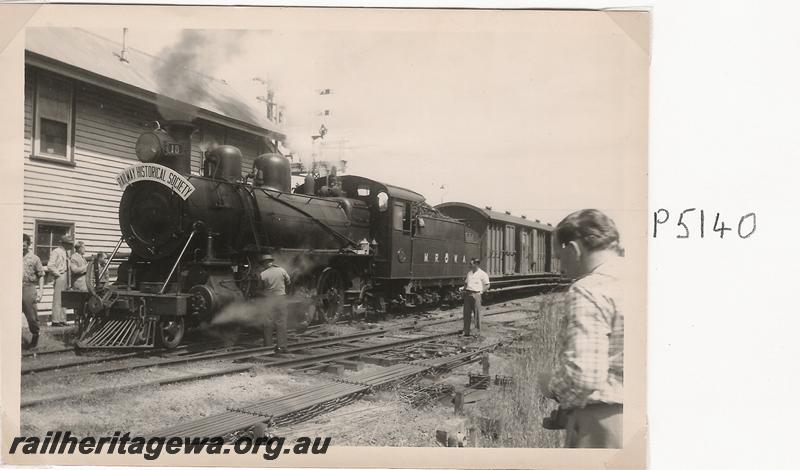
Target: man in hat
{"type": "Point", "coordinates": [32, 276]}
{"type": "Point", "coordinates": [274, 280]}
{"type": "Point", "coordinates": [58, 266]}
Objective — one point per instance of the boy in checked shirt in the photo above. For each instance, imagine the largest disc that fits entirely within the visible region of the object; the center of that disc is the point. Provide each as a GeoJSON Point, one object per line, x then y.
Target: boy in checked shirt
{"type": "Point", "coordinates": [588, 379]}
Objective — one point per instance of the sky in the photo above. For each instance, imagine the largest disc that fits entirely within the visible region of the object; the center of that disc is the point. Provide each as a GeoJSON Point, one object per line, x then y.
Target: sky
{"type": "Point", "coordinates": [529, 122]}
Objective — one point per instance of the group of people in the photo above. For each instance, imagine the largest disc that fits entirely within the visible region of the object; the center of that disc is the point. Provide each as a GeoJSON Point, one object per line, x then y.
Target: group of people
{"type": "Point", "coordinates": [588, 380]}
{"type": "Point", "coordinates": [67, 267]}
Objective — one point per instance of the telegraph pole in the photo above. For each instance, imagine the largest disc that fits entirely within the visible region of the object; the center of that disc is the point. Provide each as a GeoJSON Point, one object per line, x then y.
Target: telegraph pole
{"type": "Point", "coordinates": [318, 138]}
{"type": "Point", "coordinates": [274, 112]}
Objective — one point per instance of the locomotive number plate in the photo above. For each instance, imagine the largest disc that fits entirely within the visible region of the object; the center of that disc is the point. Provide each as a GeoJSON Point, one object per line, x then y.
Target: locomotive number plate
{"type": "Point", "coordinates": [172, 149]}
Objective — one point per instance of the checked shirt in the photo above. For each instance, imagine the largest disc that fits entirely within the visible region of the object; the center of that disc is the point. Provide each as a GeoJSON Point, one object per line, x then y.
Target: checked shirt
{"type": "Point", "coordinates": [591, 341]}
{"type": "Point", "coordinates": [32, 269]}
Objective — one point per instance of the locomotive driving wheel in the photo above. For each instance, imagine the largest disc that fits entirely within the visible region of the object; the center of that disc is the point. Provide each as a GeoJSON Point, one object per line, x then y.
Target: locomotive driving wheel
{"type": "Point", "coordinates": [170, 332]}
{"type": "Point", "coordinates": [330, 295]}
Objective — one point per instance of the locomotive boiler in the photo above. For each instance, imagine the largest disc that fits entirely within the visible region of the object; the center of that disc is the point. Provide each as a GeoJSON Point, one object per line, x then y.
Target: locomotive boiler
{"type": "Point", "coordinates": [195, 241]}
{"type": "Point", "coordinates": [351, 244]}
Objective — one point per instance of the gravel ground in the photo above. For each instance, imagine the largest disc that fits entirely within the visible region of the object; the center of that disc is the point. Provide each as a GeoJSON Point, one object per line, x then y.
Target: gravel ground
{"type": "Point", "coordinates": [380, 419]}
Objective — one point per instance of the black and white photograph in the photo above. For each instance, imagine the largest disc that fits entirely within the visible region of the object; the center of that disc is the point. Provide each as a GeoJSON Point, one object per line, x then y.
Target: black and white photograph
{"type": "Point", "coordinates": [340, 229]}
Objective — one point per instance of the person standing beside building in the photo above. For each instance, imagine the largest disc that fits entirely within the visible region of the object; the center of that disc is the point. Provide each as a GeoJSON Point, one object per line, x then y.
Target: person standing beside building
{"type": "Point", "coordinates": [475, 284]}
{"type": "Point", "coordinates": [274, 280]}
{"type": "Point", "coordinates": [32, 276]}
{"type": "Point", "coordinates": [588, 379]}
{"type": "Point", "coordinates": [78, 266]}
{"type": "Point", "coordinates": [58, 266]}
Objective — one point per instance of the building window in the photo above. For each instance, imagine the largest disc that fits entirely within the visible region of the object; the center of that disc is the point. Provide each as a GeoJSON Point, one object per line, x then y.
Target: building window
{"type": "Point", "coordinates": [48, 237]}
{"type": "Point", "coordinates": [54, 119]}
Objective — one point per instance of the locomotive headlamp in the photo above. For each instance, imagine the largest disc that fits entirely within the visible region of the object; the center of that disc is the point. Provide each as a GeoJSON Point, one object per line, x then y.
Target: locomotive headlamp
{"type": "Point", "coordinates": [153, 145]}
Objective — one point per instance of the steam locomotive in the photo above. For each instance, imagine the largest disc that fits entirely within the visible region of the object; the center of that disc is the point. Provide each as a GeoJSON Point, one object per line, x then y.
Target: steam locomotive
{"type": "Point", "coordinates": [351, 244]}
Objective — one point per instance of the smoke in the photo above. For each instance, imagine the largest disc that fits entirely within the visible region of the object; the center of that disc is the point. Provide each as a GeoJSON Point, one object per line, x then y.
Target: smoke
{"type": "Point", "coordinates": [229, 334]}
{"type": "Point", "coordinates": [187, 67]}
{"type": "Point", "coordinates": [256, 312]}
{"type": "Point", "coordinates": [299, 140]}
{"type": "Point", "coordinates": [252, 314]}
{"type": "Point", "coordinates": [301, 265]}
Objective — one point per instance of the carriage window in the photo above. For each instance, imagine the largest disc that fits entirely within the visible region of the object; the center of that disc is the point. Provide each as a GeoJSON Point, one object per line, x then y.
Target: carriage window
{"type": "Point", "coordinates": [383, 201]}
{"type": "Point", "coordinates": [363, 190]}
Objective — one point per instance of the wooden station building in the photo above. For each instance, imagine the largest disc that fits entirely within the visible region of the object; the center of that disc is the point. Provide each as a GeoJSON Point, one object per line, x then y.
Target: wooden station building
{"type": "Point", "coordinates": [85, 106]}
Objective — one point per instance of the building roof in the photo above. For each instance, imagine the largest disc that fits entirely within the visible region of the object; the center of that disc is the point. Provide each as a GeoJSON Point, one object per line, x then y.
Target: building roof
{"type": "Point", "coordinates": [86, 51]}
{"type": "Point", "coordinates": [497, 216]}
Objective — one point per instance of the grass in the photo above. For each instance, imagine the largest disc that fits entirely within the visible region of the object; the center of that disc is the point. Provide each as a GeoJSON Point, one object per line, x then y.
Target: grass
{"type": "Point", "coordinates": [518, 409]}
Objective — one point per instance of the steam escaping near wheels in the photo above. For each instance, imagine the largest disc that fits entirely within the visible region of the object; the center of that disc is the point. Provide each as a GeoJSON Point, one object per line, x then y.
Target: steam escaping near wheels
{"type": "Point", "coordinates": [253, 313]}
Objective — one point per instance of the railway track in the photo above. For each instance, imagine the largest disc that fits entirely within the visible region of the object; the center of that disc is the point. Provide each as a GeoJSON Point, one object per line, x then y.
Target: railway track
{"type": "Point", "coordinates": [189, 358]}
{"type": "Point", "coordinates": [200, 347]}
{"type": "Point", "coordinates": [300, 354]}
{"type": "Point", "coordinates": [35, 354]}
{"type": "Point", "coordinates": [214, 354]}
{"type": "Point", "coordinates": [269, 359]}
{"type": "Point", "coordinates": [185, 349]}
{"type": "Point", "coordinates": [96, 357]}
{"type": "Point", "coordinates": [99, 391]}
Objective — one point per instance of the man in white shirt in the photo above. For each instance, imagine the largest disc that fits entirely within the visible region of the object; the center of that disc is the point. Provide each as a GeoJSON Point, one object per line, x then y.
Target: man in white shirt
{"type": "Point", "coordinates": [476, 283]}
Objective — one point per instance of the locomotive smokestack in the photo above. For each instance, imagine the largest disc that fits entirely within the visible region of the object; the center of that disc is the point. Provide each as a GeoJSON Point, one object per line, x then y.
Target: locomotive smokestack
{"type": "Point", "coordinates": [182, 132]}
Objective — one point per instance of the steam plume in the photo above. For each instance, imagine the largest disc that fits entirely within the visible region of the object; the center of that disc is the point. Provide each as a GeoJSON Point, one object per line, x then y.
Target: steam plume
{"type": "Point", "coordinates": [255, 312]}
{"type": "Point", "coordinates": [185, 69]}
